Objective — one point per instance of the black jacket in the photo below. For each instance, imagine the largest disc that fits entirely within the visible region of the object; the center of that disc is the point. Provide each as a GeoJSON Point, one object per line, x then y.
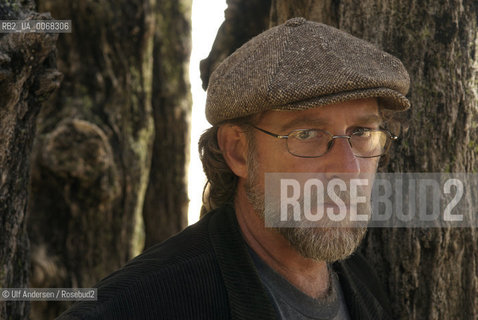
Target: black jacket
{"type": "Point", "coordinates": [205, 272]}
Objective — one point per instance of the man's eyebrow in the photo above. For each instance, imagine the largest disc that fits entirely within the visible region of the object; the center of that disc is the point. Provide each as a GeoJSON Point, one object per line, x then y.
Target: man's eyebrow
{"type": "Point", "coordinates": [370, 118]}
{"type": "Point", "coordinates": [303, 123]}
{"type": "Point", "coordinates": [307, 122]}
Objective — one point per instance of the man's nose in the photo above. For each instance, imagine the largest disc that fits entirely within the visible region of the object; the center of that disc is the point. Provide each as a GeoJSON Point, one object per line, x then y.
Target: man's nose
{"type": "Point", "coordinates": [341, 159]}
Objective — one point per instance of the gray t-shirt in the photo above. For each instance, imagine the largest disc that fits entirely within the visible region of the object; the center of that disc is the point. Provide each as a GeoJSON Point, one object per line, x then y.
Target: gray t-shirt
{"type": "Point", "coordinates": [292, 304]}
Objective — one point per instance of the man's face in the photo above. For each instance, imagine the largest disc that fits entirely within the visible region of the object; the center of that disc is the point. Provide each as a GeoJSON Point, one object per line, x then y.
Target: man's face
{"type": "Point", "coordinates": [269, 154]}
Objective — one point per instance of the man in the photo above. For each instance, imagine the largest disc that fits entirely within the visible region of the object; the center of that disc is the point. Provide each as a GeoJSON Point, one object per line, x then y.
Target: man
{"type": "Point", "coordinates": [299, 98]}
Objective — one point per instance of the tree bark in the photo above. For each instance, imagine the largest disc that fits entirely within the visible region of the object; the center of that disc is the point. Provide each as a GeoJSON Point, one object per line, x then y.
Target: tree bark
{"type": "Point", "coordinates": [166, 203]}
{"type": "Point", "coordinates": [243, 20]}
{"type": "Point", "coordinates": [93, 151]}
{"type": "Point", "coordinates": [324, 11]}
{"type": "Point", "coordinates": [28, 75]}
{"type": "Point", "coordinates": [429, 273]}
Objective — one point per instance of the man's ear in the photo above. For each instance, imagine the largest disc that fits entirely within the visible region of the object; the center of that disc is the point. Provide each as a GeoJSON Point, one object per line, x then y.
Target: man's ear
{"type": "Point", "coordinates": [232, 142]}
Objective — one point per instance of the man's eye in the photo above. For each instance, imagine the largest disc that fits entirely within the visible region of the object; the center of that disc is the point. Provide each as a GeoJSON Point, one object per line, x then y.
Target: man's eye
{"type": "Point", "coordinates": [304, 135]}
{"type": "Point", "coordinates": [362, 132]}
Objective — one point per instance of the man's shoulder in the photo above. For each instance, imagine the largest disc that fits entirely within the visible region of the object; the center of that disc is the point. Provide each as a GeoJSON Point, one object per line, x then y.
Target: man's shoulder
{"type": "Point", "coordinates": [168, 280]}
{"type": "Point", "coordinates": [190, 245]}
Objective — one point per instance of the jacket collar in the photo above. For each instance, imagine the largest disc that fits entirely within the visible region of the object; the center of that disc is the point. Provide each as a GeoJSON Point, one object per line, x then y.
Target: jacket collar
{"type": "Point", "coordinates": [247, 296]}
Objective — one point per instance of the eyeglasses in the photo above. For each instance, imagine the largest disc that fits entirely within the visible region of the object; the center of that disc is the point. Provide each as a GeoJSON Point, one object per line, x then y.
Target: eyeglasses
{"type": "Point", "coordinates": [314, 143]}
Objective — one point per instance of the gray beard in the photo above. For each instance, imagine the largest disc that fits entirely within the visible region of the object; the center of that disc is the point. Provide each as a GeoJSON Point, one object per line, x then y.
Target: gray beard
{"type": "Point", "coordinates": [328, 244]}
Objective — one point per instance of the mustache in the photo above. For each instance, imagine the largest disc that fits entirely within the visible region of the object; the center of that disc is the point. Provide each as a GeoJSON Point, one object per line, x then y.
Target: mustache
{"type": "Point", "coordinates": [338, 209]}
{"type": "Point", "coordinates": [337, 197]}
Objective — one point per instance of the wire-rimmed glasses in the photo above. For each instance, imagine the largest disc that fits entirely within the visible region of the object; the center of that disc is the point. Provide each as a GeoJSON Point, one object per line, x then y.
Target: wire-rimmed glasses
{"type": "Point", "coordinates": [314, 143]}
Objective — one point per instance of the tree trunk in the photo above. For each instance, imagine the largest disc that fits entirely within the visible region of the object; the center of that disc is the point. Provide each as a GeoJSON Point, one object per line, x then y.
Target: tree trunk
{"type": "Point", "coordinates": [27, 77]}
{"type": "Point", "coordinates": [166, 203]}
{"type": "Point", "coordinates": [244, 19]}
{"type": "Point", "coordinates": [429, 273]}
{"type": "Point", "coordinates": [93, 150]}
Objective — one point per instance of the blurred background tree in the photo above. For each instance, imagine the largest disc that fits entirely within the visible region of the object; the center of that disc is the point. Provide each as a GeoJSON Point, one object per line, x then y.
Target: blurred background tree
{"type": "Point", "coordinates": [111, 144]}
{"type": "Point", "coordinates": [28, 75]}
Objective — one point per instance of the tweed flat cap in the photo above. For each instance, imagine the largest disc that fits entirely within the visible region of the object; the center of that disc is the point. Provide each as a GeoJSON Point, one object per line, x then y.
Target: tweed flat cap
{"type": "Point", "coordinates": [300, 65]}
